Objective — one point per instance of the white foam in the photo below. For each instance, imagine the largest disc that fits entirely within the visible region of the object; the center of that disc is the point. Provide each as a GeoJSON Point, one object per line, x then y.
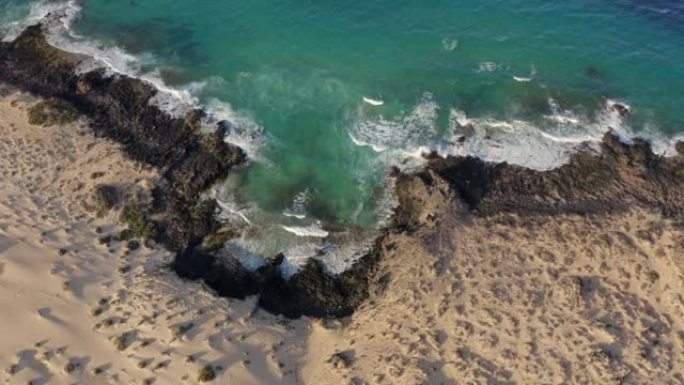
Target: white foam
{"type": "Point", "coordinates": [298, 208]}
{"type": "Point", "coordinates": [487, 66]}
{"type": "Point", "coordinates": [522, 79]}
{"type": "Point", "coordinates": [449, 44]}
{"type": "Point", "coordinates": [230, 210]}
{"type": "Point", "coordinates": [337, 258]}
{"type": "Point", "coordinates": [406, 130]}
{"type": "Point", "coordinates": [526, 79]}
{"type": "Point", "coordinates": [54, 15]}
{"type": "Point", "coordinates": [373, 102]}
{"type": "Point", "coordinates": [294, 258]}
{"type": "Point", "coordinates": [243, 131]}
{"type": "Point", "coordinates": [310, 231]}
{"type": "Point", "coordinates": [250, 253]}
{"type": "Point", "coordinates": [403, 140]}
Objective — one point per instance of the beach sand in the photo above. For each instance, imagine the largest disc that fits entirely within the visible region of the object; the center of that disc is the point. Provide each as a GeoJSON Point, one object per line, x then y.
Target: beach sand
{"type": "Point", "coordinates": [67, 298]}
{"type": "Point", "coordinates": [503, 299]}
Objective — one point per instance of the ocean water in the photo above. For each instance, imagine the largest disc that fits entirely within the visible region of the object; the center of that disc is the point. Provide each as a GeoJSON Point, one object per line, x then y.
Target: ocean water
{"type": "Point", "coordinates": [327, 95]}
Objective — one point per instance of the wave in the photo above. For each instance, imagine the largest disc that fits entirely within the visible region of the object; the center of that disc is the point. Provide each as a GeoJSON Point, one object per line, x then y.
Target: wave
{"type": "Point", "coordinates": [540, 145]}
{"type": "Point", "coordinates": [407, 130]}
{"type": "Point", "coordinates": [298, 208]}
{"type": "Point", "coordinates": [373, 102]}
{"type": "Point", "coordinates": [58, 18]}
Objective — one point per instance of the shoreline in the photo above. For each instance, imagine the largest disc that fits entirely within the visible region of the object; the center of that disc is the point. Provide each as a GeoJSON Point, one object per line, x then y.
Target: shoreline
{"type": "Point", "coordinates": [191, 161]}
{"type": "Point", "coordinates": [489, 273]}
{"type": "Point", "coordinates": [460, 295]}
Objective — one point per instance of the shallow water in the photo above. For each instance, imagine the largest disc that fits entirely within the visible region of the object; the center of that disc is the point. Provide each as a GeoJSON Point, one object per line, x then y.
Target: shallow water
{"type": "Point", "coordinates": [529, 76]}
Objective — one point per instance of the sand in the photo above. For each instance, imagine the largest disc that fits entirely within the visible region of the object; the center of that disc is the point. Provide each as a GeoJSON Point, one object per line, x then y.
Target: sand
{"type": "Point", "coordinates": [467, 300]}
{"type": "Point", "coordinates": [509, 300]}
{"type": "Point", "coordinates": [73, 306]}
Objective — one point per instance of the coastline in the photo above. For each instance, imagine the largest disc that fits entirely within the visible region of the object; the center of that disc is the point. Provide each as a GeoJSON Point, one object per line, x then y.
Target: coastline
{"type": "Point", "coordinates": [489, 272]}
{"type": "Point", "coordinates": [190, 161]}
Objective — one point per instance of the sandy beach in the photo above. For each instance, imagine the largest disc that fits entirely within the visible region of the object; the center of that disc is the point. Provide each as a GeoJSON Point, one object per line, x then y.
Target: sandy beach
{"type": "Point", "coordinates": [78, 311]}
{"type": "Point", "coordinates": [463, 299]}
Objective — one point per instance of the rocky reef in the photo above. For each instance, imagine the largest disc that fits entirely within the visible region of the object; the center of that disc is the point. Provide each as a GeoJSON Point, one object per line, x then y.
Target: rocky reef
{"type": "Point", "coordinates": [190, 161]}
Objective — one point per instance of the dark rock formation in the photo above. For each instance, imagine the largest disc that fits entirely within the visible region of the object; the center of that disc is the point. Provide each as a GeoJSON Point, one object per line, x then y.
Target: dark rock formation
{"type": "Point", "coordinates": [102, 198]}
{"type": "Point", "coordinates": [309, 292]}
{"type": "Point", "coordinates": [621, 176]}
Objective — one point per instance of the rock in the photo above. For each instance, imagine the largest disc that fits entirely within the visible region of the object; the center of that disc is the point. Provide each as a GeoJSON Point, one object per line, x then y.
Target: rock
{"type": "Point", "coordinates": [623, 109]}
{"type": "Point", "coordinates": [83, 84]}
{"type": "Point", "coordinates": [420, 196]}
{"type": "Point", "coordinates": [341, 360]}
{"type": "Point", "coordinates": [103, 198]}
{"type": "Point", "coordinates": [622, 175]}
{"type": "Point", "coordinates": [680, 148]}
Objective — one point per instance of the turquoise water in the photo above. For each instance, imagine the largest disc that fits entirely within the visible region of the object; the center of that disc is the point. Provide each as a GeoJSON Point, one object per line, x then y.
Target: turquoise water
{"type": "Point", "coordinates": [299, 70]}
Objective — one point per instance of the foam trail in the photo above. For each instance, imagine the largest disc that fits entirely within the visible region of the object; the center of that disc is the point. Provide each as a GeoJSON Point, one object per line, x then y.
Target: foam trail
{"type": "Point", "coordinates": [521, 79]}
{"type": "Point", "coordinates": [314, 231]}
{"type": "Point", "coordinates": [373, 102]}
{"type": "Point", "coordinates": [231, 209]}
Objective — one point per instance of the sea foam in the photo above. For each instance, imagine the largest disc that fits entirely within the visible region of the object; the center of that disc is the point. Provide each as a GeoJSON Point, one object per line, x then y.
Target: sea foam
{"type": "Point", "coordinates": [58, 17]}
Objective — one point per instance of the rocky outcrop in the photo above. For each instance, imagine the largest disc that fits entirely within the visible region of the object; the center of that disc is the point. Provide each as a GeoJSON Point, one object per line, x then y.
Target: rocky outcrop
{"type": "Point", "coordinates": [310, 292]}
{"type": "Point", "coordinates": [680, 148]}
{"type": "Point", "coordinates": [621, 176]}
{"type": "Point", "coordinates": [119, 109]}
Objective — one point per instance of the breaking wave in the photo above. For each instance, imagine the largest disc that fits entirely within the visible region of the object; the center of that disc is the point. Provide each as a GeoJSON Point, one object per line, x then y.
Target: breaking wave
{"type": "Point", "coordinates": [58, 17]}
{"type": "Point", "coordinates": [540, 145]}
